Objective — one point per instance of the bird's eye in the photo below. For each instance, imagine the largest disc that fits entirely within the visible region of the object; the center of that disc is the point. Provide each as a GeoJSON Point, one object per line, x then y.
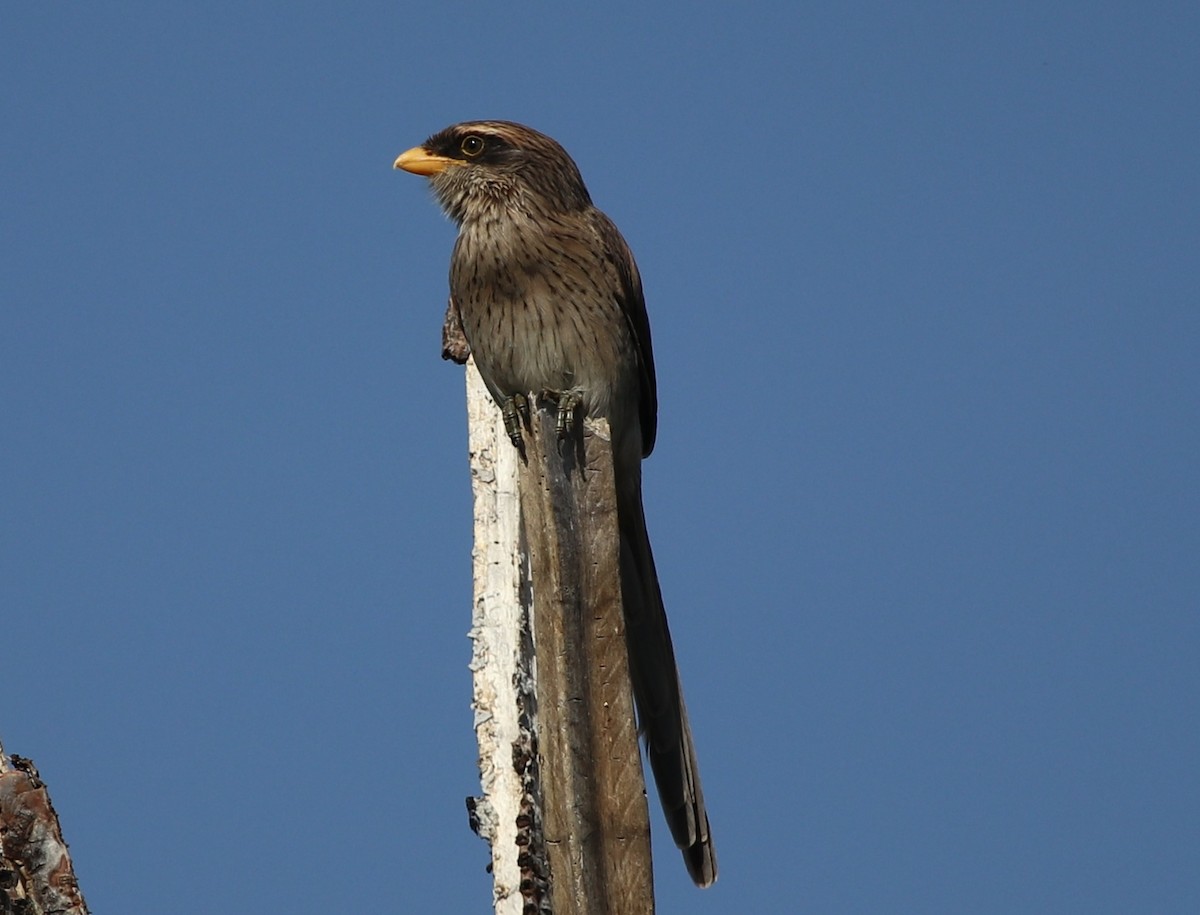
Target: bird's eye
{"type": "Point", "coordinates": [472, 146]}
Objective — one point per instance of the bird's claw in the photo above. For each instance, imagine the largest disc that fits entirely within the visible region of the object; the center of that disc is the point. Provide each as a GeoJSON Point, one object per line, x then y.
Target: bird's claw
{"type": "Point", "coordinates": [515, 411]}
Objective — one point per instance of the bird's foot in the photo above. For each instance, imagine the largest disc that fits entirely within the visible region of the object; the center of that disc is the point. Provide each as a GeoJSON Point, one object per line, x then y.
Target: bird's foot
{"type": "Point", "coordinates": [515, 411]}
{"type": "Point", "coordinates": [454, 341]}
{"type": "Point", "coordinates": [568, 406]}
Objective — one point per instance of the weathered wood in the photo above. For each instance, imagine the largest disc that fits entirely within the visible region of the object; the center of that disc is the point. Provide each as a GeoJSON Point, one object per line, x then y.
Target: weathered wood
{"type": "Point", "coordinates": [559, 760]}
{"type": "Point", "coordinates": [501, 651]}
{"type": "Point", "coordinates": [594, 804]}
{"type": "Point", "coordinates": [36, 873]}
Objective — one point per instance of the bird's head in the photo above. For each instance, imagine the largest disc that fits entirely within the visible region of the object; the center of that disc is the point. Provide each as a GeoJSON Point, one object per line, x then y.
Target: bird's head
{"type": "Point", "coordinates": [479, 167]}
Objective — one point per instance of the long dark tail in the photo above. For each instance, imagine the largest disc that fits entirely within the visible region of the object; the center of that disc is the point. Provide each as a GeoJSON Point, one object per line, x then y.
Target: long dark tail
{"type": "Point", "coordinates": [662, 715]}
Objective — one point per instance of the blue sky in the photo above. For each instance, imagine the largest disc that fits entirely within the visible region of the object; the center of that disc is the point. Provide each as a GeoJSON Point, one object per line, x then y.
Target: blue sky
{"type": "Point", "coordinates": [923, 283]}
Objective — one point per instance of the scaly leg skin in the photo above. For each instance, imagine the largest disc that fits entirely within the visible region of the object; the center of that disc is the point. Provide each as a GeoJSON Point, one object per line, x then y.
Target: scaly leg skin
{"type": "Point", "coordinates": [568, 403]}
{"type": "Point", "coordinates": [515, 410]}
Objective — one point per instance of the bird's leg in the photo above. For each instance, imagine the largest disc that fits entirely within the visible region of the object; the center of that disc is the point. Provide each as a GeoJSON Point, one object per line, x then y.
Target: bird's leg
{"type": "Point", "coordinates": [454, 341]}
{"type": "Point", "coordinates": [515, 411]}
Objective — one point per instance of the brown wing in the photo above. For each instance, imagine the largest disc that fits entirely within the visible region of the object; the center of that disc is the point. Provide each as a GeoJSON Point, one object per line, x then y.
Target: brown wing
{"type": "Point", "coordinates": [633, 307]}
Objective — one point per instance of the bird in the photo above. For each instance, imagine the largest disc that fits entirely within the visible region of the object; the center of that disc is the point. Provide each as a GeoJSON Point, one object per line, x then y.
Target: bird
{"type": "Point", "coordinates": [551, 304]}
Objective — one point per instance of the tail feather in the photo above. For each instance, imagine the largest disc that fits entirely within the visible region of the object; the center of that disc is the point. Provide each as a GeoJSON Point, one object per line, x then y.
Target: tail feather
{"type": "Point", "coordinates": [662, 715]}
